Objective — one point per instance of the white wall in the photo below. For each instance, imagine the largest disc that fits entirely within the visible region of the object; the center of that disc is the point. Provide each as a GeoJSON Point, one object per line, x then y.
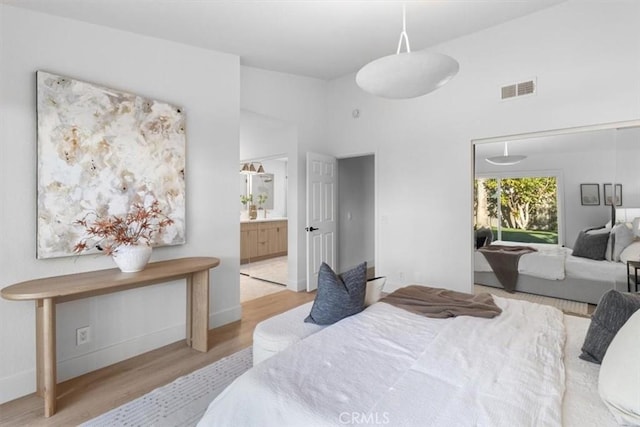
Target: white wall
{"type": "Point", "coordinates": [585, 57]}
{"type": "Point", "coordinates": [264, 137]}
{"type": "Point", "coordinates": [356, 197]}
{"type": "Point", "coordinates": [300, 102]}
{"type": "Point", "coordinates": [206, 85]}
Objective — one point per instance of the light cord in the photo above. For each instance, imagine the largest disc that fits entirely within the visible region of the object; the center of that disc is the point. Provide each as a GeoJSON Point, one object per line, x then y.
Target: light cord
{"type": "Point", "coordinates": [403, 34]}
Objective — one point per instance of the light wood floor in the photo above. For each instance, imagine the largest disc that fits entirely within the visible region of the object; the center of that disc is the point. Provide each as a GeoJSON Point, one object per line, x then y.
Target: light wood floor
{"type": "Point", "coordinates": [90, 395]}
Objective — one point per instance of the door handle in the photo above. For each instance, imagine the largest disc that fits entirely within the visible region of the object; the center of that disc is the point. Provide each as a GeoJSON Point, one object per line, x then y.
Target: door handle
{"type": "Point", "coordinates": [311, 229]}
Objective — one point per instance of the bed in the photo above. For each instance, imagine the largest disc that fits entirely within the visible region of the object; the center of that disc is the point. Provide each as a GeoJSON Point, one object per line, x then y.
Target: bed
{"type": "Point", "coordinates": [554, 272]}
{"type": "Point", "coordinates": [388, 366]}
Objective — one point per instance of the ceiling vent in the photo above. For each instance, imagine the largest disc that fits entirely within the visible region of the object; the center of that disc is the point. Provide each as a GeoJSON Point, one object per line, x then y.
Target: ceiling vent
{"type": "Point", "coordinates": [518, 89]}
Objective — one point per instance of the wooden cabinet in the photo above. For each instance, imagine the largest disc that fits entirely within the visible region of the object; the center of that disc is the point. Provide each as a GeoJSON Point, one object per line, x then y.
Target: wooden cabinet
{"type": "Point", "coordinates": [248, 242]}
{"type": "Point", "coordinates": [262, 240]}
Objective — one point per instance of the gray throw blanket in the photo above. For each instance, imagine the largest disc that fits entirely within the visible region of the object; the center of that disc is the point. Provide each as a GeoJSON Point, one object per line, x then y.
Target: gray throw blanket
{"type": "Point", "coordinates": [504, 262]}
{"type": "Point", "coordinates": [442, 303]}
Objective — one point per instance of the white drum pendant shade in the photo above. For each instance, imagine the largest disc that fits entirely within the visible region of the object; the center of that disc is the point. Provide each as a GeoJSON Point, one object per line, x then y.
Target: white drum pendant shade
{"type": "Point", "coordinates": [407, 75]}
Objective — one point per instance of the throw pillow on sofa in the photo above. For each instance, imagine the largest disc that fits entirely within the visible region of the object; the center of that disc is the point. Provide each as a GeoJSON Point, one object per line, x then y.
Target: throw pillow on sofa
{"type": "Point", "coordinates": [613, 310]}
{"type": "Point", "coordinates": [621, 237]}
{"type": "Point", "coordinates": [591, 245]}
{"type": "Point", "coordinates": [338, 296]}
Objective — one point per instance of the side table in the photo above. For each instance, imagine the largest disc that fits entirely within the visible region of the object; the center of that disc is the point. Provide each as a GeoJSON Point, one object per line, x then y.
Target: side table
{"type": "Point", "coordinates": [48, 292]}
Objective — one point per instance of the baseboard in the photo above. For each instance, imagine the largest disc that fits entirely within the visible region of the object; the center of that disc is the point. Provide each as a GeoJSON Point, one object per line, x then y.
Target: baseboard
{"type": "Point", "coordinates": [223, 317]}
{"type": "Point", "coordinates": [24, 383]}
{"type": "Point", "coordinates": [298, 286]}
{"type": "Point", "coordinates": [17, 385]}
{"type": "Point", "coordinates": [105, 356]}
{"type": "Point", "coordinates": [100, 358]}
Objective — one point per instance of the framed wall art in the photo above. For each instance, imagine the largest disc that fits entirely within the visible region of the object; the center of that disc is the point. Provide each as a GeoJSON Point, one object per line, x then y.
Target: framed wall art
{"type": "Point", "coordinates": [101, 151]}
{"type": "Point", "coordinates": [590, 194]}
{"type": "Point", "coordinates": [609, 196]}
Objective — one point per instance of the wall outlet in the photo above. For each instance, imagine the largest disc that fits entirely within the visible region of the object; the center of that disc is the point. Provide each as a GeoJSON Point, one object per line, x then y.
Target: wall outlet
{"type": "Point", "coordinates": [83, 335]}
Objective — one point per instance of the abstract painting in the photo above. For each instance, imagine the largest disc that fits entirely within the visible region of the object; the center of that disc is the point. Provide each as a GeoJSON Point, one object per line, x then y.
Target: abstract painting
{"type": "Point", "coordinates": [101, 151]}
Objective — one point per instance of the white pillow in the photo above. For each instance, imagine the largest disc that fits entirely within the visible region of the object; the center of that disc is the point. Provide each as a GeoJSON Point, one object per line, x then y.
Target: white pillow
{"type": "Point", "coordinates": [619, 379]}
{"type": "Point", "coordinates": [621, 236]}
{"type": "Point", "coordinates": [631, 253]}
{"type": "Point", "coordinates": [635, 226]}
{"type": "Point", "coordinates": [374, 289]}
{"type": "Point", "coordinates": [608, 254]}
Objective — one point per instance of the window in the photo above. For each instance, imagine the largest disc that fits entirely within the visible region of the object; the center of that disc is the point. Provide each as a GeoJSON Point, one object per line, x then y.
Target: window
{"type": "Point", "coordinates": [518, 209]}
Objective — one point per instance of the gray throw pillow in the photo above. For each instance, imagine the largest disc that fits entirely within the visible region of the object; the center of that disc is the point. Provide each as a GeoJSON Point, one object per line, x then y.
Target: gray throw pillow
{"type": "Point", "coordinates": [613, 311]}
{"type": "Point", "coordinates": [338, 296]}
{"type": "Point", "coordinates": [592, 246]}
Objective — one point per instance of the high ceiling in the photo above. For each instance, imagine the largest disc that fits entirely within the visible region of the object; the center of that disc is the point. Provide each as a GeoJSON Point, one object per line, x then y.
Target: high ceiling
{"type": "Point", "coordinates": [322, 39]}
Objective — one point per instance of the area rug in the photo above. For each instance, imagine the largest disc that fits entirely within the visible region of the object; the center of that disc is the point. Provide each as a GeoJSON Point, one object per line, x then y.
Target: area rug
{"type": "Point", "coordinates": [182, 402]}
{"type": "Point", "coordinates": [569, 307]}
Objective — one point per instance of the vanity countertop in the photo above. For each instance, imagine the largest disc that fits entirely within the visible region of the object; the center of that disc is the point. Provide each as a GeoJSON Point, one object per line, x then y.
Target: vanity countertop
{"type": "Point", "coordinates": [247, 221]}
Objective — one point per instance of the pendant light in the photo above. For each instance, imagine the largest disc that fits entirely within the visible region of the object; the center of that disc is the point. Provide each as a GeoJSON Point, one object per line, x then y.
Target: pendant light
{"type": "Point", "coordinates": [408, 74]}
{"type": "Point", "coordinates": [250, 169]}
{"type": "Point", "coordinates": [505, 159]}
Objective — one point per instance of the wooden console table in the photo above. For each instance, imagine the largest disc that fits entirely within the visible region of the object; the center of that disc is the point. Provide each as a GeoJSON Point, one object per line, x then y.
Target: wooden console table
{"type": "Point", "coordinates": [53, 290]}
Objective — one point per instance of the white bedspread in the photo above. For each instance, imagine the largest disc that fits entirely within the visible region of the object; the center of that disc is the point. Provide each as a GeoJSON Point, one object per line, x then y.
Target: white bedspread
{"type": "Point", "coordinates": [389, 366]}
{"type": "Point", "coordinates": [582, 406]}
{"type": "Point", "coordinates": [547, 263]}
{"type": "Point", "coordinates": [605, 271]}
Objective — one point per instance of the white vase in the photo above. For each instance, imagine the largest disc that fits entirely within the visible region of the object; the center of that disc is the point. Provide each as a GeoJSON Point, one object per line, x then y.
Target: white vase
{"type": "Point", "coordinates": [132, 258]}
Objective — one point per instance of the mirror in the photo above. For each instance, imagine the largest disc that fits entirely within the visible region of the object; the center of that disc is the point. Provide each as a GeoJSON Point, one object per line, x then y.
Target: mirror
{"type": "Point", "coordinates": [550, 195]}
{"type": "Point", "coordinates": [553, 187]}
{"type": "Point", "coordinates": [262, 189]}
{"type": "Point", "coordinates": [268, 190]}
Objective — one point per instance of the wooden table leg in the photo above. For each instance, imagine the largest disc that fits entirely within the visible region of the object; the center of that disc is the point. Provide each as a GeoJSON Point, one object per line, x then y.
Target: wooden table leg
{"type": "Point", "coordinates": [39, 349]}
{"type": "Point", "coordinates": [189, 314]}
{"type": "Point", "coordinates": [46, 353]}
{"type": "Point", "coordinates": [200, 310]}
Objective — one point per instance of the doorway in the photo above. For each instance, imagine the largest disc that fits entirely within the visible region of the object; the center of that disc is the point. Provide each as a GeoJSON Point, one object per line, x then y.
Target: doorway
{"type": "Point", "coordinates": [356, 212]}
{"type": "Point", "coordinates": [340, 214]}
{"type": "Point", "coordinates": [263, 227]}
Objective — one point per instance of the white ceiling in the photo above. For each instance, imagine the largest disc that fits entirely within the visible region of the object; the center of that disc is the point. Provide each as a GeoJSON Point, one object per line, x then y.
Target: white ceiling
{"type": "Point", "coordinates": [322, 39]}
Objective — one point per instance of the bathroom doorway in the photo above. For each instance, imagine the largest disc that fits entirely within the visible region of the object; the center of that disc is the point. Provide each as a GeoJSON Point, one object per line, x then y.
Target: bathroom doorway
{"type": "Point", "coordinates": [263, 227]}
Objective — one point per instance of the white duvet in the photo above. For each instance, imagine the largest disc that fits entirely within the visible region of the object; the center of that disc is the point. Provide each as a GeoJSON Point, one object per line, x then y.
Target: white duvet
{"type": "Point", "coordinates": [547, 263]}
{"type": "Point", "coordinates": [388, 366]}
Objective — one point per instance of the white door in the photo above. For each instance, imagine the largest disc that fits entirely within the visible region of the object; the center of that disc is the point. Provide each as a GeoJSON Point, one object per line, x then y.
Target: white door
{"type": "Point", "coordinates": [321, 214]}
